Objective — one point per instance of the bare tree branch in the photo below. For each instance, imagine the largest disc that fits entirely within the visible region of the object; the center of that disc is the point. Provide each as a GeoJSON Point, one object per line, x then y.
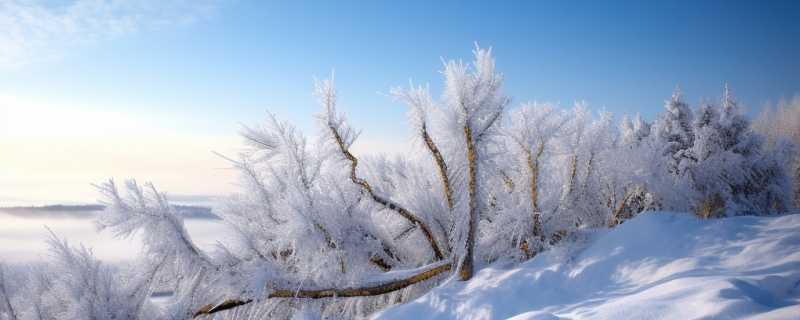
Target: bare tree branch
{"type": "Point", "coordinates": [405, 213]}
{"type": "Point", "coordinates": [422, 274]}
{"type": "Point", "coordinates": [440, 163]}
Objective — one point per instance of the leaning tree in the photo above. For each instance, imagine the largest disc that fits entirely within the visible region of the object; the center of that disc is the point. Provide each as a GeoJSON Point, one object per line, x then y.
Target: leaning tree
{"type": "Point", "coordinates": [315, 221]}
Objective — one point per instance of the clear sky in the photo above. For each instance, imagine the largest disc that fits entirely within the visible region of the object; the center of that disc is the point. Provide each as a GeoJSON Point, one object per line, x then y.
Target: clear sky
{"type": "Point", "coordinates": [91, 89]}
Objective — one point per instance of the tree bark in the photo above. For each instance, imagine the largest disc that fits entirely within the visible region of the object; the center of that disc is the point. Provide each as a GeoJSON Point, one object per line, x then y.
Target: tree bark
{"type": "Point", "coordinates": [467, 263]}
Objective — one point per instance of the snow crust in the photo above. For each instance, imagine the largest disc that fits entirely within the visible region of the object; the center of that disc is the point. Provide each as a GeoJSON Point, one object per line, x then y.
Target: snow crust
{"type": "Point", "coordinates": [658, 265]}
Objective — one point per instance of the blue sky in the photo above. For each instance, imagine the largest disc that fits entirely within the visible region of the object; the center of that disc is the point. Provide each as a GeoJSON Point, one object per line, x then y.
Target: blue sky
{"type": "Point", "coordinates": [198, 69]}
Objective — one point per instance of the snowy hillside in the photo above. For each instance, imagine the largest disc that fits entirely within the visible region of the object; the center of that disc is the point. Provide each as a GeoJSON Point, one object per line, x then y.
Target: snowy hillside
{"type": "Point", "coordinates": [658, 265]}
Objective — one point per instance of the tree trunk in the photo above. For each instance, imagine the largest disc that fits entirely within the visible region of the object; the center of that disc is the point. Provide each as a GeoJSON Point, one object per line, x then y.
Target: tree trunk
{"type": "Point", "coordinates": [570, 184]}
{"type": "Point", "coordinates": [467, 263]}
{"type": "Point", "coordinates": [533, 167]}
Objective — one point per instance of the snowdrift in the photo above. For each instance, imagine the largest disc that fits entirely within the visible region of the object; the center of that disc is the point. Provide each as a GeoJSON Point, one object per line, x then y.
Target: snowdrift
{"type": "Point", "coordinates": [658, 265]}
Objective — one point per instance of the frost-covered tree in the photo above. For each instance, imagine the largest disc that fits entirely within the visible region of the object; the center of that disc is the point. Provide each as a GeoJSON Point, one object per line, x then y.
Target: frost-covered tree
{"type": "Point", "coordinates": [705, 173]}
{"type": "Point", "coordinates": [529, 132]}
{"type": "Point", "coordinates": [305, 234]}
{"type": "Point", "coordinates": [673, 131]}
{"type": "Point", "coordinates": [571, 147]}
{"type": "Point", "coordinates": [634, 154]}
{"type": "Point", "coordinates": [633, 131]}
{"type": "Point", "coordinates": [729, 170]}
{"type": "Point", "coordinates": [468, 114]}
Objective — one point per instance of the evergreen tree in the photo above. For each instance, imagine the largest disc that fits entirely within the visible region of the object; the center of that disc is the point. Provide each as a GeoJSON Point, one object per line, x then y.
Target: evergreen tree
{"type": "Point", "coordinates": [735, 128]}
{"type": "Point", "coordinates": [674, 133]}
{"type": "Point", "coordinates": [729, 170]}
{"type": "Point", "coordinates": [634, 131]}
{"type": "Point", "coordinates": [758, 180]}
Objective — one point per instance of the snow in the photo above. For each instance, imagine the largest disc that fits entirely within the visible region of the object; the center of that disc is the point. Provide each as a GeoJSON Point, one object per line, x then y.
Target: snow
{"type": "Point", "coordinates": [658, 265]}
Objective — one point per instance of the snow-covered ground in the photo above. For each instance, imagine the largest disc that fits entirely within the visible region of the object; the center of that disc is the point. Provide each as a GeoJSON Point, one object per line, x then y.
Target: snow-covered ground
{"type": "Point", "coordinates": [658, 265]}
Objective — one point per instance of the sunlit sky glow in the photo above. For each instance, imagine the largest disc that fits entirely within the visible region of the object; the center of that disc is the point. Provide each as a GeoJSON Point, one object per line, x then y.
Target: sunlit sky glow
{"type": "Point", "coordinates": [95, 89]}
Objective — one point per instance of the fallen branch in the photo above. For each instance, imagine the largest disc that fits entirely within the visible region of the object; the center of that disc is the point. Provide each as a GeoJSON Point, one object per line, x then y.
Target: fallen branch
{"type": "Point", "coordinates": [225, 305]}
{"type": "Point", "coordinates": [421, 274]}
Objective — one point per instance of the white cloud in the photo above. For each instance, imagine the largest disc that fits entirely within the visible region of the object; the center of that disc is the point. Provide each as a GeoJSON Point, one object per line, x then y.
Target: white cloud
{"type": "Point", "coordinates": [36, 30]}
